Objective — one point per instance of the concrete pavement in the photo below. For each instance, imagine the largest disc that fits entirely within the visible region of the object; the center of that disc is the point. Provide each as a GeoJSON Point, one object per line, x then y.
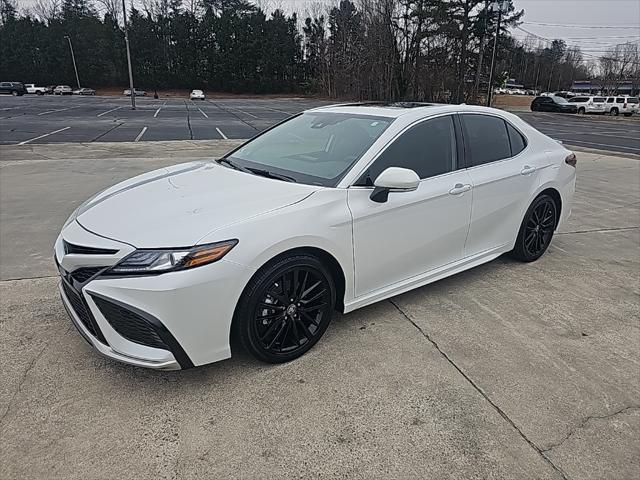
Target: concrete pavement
{"type": "Point", "coordinates": [509, 370]}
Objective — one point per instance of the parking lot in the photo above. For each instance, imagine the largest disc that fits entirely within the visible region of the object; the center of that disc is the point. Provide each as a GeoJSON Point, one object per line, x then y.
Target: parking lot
{"type": "Point", "coordinates": [51, 119]}
{"type": "Point", "coordinates": [507, 371]}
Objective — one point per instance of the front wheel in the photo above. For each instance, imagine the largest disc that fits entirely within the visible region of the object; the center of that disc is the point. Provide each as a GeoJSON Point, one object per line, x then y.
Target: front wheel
{"type": "Point", "coordinates": [14, 93]}
{"type": "Point", "coordinates": [536, 230]}
{"type": "Point", "coordinates": [581, 111]}
{"type": "Point", "coordinates": [285, 309]}
{"type": "Point", "coordinates": [614, 112]}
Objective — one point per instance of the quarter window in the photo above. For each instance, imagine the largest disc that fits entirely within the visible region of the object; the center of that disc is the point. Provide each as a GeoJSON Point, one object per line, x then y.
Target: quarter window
{"type": "Point", "coordinates": [486, 138]}
{"type": "Point", "coordinates": [518, 143]}
{"type": "Point", "coordinates": [428, 148]}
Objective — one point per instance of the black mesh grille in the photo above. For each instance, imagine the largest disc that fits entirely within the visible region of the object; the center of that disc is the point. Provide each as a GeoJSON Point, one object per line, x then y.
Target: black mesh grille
{"type": "Point", "coordinates": [82, 250]}
{"type": "Point", "coordinates": [81, 275]}
{"type": "Point", "coordinates": [129, 324]}
{"type": "Point", "coordinates": [78, 305]}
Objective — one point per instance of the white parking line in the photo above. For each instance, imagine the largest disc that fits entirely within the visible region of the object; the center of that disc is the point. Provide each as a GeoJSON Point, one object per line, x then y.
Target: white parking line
{"type": "Point", "coordinates": [569, 142]}
{"type": "Point", "coordinates": [45, 135]}
{"type": "Point", "coordinates": [221, 134]}
{"type": "Point", "coordinates": [242, 111]}
{"type": "Point", "coordinates": [203, 114]}
{"type": "Point", "coordinates": [157, 112]}
{"type": "Point", "coordinates": [144, 129]}
{"type": "Point", "coordinates": [109, 111]}
{"type": "Point", "coordinates": [59, 110]}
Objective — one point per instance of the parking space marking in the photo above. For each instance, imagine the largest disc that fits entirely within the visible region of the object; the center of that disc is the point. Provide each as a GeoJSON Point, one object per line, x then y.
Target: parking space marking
{"type": "Point", "coordinates": [204, 114]}
{"type": "Point", "coordinates": [109, 111]}
{"type": "Point", "coordinates": [155, 115]}
{"type": "Point", "coordinates": [144, 129]}
{"type": "Point", "coordinates": [59, 110]}
{"type": "Point", "coordinates": [221, 134]}
{"type": "Point", "coordinates": [242, 111]}
{"type": "Point", "coordinates": [45, 135]}
{"type": "Point", "coordinates": [570, 141]}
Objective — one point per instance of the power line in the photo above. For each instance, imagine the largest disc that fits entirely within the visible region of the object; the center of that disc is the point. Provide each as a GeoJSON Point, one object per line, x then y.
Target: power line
{"type": "Point", "coordinates": [567, 25]}
{"type": "Point", "coordinates": [549, 41]}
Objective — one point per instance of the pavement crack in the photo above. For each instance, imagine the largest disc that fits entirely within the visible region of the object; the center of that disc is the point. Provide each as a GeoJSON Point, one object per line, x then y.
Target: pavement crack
{"type": "Point", "coordinates": [481, 392]}
{"type": "Point", "coordinates": [20, 383]}
{"type": "Point", "coordinates": [188, 121]}
{"type": "Point", "coordinates": [598, 230]}
{"type": "Point", "coordinates": [584, 423]}
{"type": "Point", "coordinates": [108, 131]}
{"type": "Point", "coordinates": [27, 278]}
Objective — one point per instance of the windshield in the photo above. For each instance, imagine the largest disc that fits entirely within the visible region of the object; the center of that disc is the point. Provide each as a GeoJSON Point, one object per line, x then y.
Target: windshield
{"type": "Point", "coordinates": [315, 147]}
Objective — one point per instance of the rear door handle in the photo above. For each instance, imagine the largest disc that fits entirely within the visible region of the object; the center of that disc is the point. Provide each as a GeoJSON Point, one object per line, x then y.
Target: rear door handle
{"type": "Point", "coordinates": [527, 170]}
{"type": "Point", "coordinates": [459, 189]}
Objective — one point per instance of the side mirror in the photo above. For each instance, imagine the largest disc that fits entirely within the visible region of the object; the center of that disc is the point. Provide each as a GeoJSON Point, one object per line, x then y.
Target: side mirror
{"type": "Point", "coordinates": [394, 179]}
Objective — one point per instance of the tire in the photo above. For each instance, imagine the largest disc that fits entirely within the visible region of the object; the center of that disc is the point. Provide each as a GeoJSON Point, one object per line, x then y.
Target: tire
{"type": "Point", "coordinates": [289, 329]}
{"type": "Point", "coordinates": [536, 230]}
{"type": "Point", "coordinates": [581, 111]}
{"type": "Point", "coordinates": [14, 93]}
{"type": "Point", "coordinates": [614, 112]}
{"type": "Point", "coordinates": [39, 92]}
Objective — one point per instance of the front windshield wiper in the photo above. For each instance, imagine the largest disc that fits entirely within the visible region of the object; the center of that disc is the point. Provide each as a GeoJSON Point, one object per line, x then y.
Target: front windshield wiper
{"type": "Point", "coordinates": [233, 165]}
{"type": "Point", "coordinates": [268, 174]}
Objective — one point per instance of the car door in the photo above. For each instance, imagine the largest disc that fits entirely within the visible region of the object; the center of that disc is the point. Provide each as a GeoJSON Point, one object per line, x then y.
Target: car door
{"type": "Point", "coordinates": [504, 173]}
{"type": "Point", "coordinates": [412, 232]}
{"type": "Point", "coordinates": [547, 104]}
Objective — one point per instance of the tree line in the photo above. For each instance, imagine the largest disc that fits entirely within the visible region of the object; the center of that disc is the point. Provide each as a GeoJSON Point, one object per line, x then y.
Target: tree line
{"type": "Point", "coordinates": [431, 50]}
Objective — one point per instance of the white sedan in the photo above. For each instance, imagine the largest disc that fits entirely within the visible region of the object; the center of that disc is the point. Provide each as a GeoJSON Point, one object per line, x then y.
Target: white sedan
{"type": "Point", "coordinates": [196, 95]}
{"type": "Point", "coordinates": [334, 209]}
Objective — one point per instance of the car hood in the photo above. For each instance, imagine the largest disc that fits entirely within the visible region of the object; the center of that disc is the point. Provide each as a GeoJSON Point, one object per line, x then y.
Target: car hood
{"type": "Point", "coordinates": [177, 206]}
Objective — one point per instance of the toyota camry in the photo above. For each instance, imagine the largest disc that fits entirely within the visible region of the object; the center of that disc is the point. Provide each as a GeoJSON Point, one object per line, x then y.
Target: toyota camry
{"type": "Point", "coordinates": [333, 209]}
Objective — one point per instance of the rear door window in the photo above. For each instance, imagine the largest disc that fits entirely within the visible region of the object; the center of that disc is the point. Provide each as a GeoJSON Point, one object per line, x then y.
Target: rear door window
{"type": "Point", "coordinates": [619, 100]}
{"type": "Point", "coordinates": [610, 100]}
{"type": "Point", "coordinates": [486, 138]}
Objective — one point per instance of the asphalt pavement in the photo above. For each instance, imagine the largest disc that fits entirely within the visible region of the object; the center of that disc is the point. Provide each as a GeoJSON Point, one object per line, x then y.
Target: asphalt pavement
{"type": "Point", "coordinates": [54, 119]}
{"type": "Point", "coordinates": [506, 371]}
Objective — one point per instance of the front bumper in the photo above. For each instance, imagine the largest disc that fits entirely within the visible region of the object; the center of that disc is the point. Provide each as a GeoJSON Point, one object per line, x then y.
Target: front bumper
{"type": "Point", "coordinates": [171, 321]}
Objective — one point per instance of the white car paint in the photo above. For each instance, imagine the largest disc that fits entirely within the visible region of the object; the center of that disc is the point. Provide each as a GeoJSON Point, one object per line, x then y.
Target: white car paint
{"type": "Point", "coordinates": [589, 104]}
{"type": "Point", "coordinates": [196, 95]}
{"type": "Point", "coordinates": [447, 224]}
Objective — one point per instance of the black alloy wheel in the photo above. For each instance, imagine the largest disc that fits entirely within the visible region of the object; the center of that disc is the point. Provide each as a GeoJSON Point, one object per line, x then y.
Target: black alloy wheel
{"type": "Point", "coordinates": [285, 309]}
{"type": "Point", "coordinates": [536, 230]}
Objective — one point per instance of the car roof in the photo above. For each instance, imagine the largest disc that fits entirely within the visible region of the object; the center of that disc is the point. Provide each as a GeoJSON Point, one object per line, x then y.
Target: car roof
{"type": "Point", "coordinates": [402, 109]}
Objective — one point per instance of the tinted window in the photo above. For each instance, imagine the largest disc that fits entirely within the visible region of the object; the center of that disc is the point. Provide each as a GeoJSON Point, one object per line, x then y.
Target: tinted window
{"type": "Point", "coordinates": [578, 99]}
{"type": "Point", "coordinates": [632, 99]}
{"type": "Point", "coordinates": [610, 100]}
{"type": "Point", "coordinates": [516, 139]}
{"type": "Point", "coordinates": [428, 148]}
{"type": "Point", "coordinates": [486, 138]}
{"type": "Point", "coordinates": [619, 100]}
{"type": "Point", "coordinates": [598, 99]}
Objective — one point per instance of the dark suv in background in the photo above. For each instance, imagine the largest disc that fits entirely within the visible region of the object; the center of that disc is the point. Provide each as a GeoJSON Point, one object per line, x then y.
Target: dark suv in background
{"type": "Point", "coordinates": [12, 88]}
{"type": "Point", "coordinates": [552, 104]}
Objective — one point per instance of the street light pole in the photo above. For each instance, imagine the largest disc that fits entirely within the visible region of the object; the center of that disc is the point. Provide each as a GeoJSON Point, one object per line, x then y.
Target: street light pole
{"type": "Point", "coordinates": [73, 58]}
{"type": "Point", "coordinates": [499, 6]}
{"type": "Point", "coordinates": [126, 41]}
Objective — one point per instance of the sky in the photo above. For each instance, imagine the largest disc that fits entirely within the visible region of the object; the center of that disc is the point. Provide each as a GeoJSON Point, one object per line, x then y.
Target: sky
{"type": "Point", "coordinates": [593, 25]}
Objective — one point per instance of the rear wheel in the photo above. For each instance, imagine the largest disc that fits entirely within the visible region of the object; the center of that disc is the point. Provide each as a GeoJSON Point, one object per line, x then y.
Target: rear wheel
{"type": "Point", "coordinates": [614, 112]}
{"type": "Point", "coordinates": [14, 93]}
{"type": "Point", "coordinates": [536, 230]}
{"type": "Point", "coordinates": [285, 309]}
{"type": "Point", "coordinates": [581, 111]}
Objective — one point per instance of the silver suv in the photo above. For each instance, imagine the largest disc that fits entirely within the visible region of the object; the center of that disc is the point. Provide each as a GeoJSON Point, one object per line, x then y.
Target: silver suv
{"type": "Point", "coordinates": [589, 104]}
{"type": "Point", "coordinates": [623, 104]}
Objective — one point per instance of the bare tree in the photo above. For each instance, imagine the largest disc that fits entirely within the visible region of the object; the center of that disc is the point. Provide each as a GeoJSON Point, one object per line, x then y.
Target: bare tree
{"type": "Point", "coordinates": [109, 7]}
{"type": "Point", "coordinates": [46, 10]}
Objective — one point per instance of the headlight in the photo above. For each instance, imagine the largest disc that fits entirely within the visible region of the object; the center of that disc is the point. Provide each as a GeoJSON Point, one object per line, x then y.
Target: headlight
{"type": "Point", "coordinates": [160, 261]}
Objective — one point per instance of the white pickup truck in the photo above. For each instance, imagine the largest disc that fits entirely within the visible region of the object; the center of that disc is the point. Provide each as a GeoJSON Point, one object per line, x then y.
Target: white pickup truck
{"type": "Point", "coordinates": [32, 88]}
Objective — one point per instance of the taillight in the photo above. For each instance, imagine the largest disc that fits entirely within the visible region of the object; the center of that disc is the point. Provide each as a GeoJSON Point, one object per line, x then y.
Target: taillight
{"type": "Point", "coordinates": [571, 160]}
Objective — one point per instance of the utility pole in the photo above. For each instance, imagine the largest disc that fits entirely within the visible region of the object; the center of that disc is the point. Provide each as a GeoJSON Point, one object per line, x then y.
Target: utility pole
{"type": "Point", "coordinates": [73, 58]}
{"type": "Point", "coordinates": [495, 5]}
{"type": "Point", "coordinates": [126, 42]}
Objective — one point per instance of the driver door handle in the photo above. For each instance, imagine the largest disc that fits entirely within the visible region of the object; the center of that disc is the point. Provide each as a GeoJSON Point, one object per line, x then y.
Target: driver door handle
{"type": "Point", "coordinates": [526, 170]}
{"type": "Point", "coordinates": [459, 189]}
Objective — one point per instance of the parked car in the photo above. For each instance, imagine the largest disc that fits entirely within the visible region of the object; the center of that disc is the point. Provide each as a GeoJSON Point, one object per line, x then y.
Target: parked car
{"type": "Point", "coordinates": [12, 88]}
{"type": "Point", "coordinates": [139, 93]}
{"type": "Point", "coordinates": [336, 208]}
{"type": "Point", "coordinates": [63, 90]}
{"type": "Point", "coordinates": [196, 95]}
{"type": "Point", "coordinates": [33, 89]}
{"type": "Point", "coordinates": [588, 104]}
{"type": "Point", "coordinates": [84, 91]}
{"type": "Point", "coordinates": [552, 104]}
{"type": "Point", "coordinates": [625, 105]}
